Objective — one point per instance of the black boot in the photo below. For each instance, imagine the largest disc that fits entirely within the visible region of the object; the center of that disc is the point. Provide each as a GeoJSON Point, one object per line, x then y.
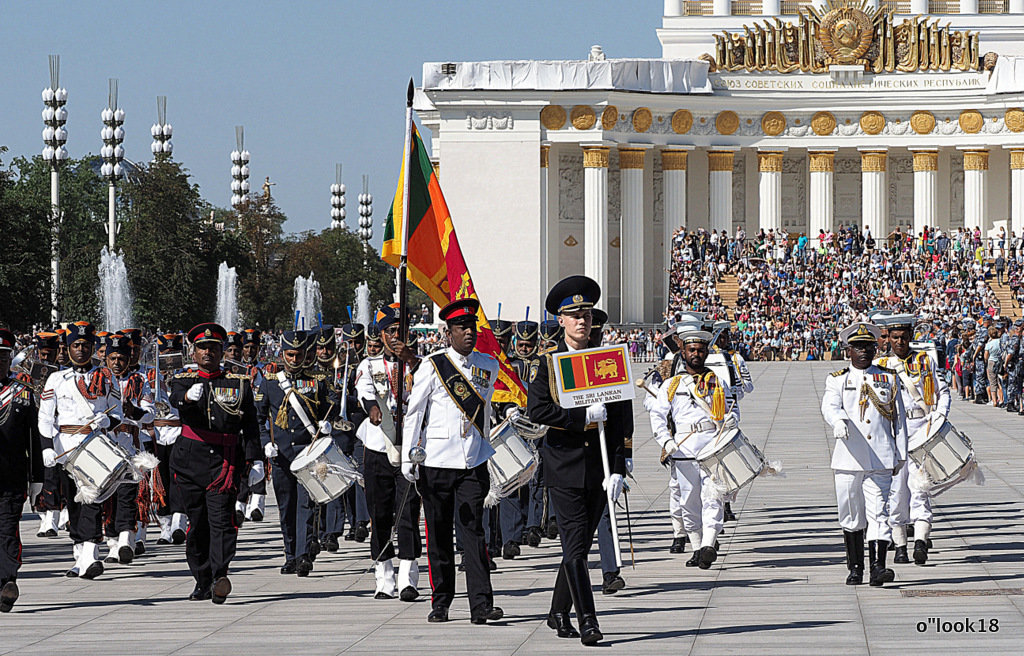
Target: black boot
{"type": "Point", "coordinates": [9, 594]}
{"type": "Point", "coordinates": [854, 556]}
{"type": "Point", "coordinates": [879, 572]}
{"type": "Point", "coordinates": [560, 622]}
{"type": "Point", "coordinates": [729, 515]}
{"type": "Point", "coordinates": [578, 576]}
{"type": "Point", "coordinates": [920, 552]}
{"type": "Point", "coordinates": [900, 555]}
{"type": "Point", "coordinates": [678, 546]}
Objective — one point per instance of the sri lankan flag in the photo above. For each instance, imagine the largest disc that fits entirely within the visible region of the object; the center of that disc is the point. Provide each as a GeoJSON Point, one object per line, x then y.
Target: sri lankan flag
{"type": "Point", "coordinates": [435, 262]}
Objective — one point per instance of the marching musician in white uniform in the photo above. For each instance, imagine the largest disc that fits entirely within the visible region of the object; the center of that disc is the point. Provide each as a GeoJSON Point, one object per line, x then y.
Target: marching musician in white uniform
{"type": "Point", "coordinates": [864, 406]}
{"type": "Point", "coordinates": [167, 428]}
{"type": "Point", "coordinates": [694, 401]}
{"type": "Point", "coordinates": [740, 384]}
{"type": "Point", "coordinates": [447, 429]}
{"type": "Point", "coordinates": [926, 397]}
{"type": "Point", "coordinates": [75, 402]}
{"type": "Point", "coordinates": [389, 498]}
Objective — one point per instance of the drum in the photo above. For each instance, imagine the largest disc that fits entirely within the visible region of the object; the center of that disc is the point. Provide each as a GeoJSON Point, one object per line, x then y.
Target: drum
{"type": "Point", "coordinates": [98, 465]}
{"type": "Point", "coordinates": [324, 470]}
{"type": "Point", "coordinates": [940, 450]}
{"type": "Point", "coordinates": [514, 461]}
{"type": "Point", "coordinates": [731, 461]}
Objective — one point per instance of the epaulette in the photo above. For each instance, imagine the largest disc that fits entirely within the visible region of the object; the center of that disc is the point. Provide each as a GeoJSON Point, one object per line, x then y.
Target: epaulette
{"type": "Point", "coordinates": [239, 376]}
{"type": "Point", "coordinates": [673, 385]}
{"type": "Point", "coordinates": [318, 377]}
{"type": "Point", "coordinates": [187, 373]}
{"type": "Point", "coordinates": [840, 372]}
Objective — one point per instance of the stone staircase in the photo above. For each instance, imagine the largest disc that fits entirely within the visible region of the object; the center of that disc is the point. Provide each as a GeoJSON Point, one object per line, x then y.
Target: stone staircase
{"type": "Point", "coordinates": [1008, 307]}
{"type": "Point", "coordinates": [728, 288]}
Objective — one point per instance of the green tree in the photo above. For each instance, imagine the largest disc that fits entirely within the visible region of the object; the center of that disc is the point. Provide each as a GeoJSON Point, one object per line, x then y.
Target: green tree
{"type": "Point", "coordinates": [25, 264]}
{"type": "Point", "coordinates": [262, 298]}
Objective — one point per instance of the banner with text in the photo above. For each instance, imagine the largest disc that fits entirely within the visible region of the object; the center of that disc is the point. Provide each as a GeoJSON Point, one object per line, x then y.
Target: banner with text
{"type": "Point", "coordinates": [597, 375]}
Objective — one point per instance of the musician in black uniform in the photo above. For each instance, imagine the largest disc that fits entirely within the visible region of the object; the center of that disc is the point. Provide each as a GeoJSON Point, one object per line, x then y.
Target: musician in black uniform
{"type": "Point", "coordinates": [571, 458]}
{"type": "Point", "coordinates": [251, 502]}
{"type": "Point", "coordinates": [21, 467]}
{"type": "Point", "coordinates": [219, 437]}
{"type": "Point", "coordinates": [353, 345]}
{"type": "Point", "coordinates": [50, 501]}
{"type": "Point", "coordinates": [330, 516]}
{"type": "Point", "coordinates": [526, 362]}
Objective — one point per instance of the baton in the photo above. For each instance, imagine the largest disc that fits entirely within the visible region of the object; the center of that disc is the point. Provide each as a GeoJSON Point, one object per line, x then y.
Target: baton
{"type": "Point", "coordinates": [629, 530]}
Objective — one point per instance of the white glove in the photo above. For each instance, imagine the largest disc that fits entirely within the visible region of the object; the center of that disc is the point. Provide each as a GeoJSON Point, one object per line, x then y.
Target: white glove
{"type": "Point", "coordinates": [34, 489]}
{"type": "Point", "coordinates": [270, 450]}
{"type": "Point", "coordinates": [629, 465]}
{"type": "Point", "coordinates": [194, 393]}
{"type": "Point", "coordinates": [257, 473]}
{"type": "Point", "coordinates": [410, 472]}
{"type": "Point", "coordinates": [730, 422]}
{"type": "Point", "coordinates": [325, 427]}
{"type": "Point", "coordinates": [167, 438]}
{"type": "Point", "coordinates": [100, 421]}
{"type": "Point", "coordinates": [596, 412]}
{"type": "Point", "coordinates": [49, 458]}
{"type": "Point", "coordinates": [613, 484]}
{"type": "Point", "coordinates": [512, 412]}
{"type": "Point", "coordinates": [841, 431]}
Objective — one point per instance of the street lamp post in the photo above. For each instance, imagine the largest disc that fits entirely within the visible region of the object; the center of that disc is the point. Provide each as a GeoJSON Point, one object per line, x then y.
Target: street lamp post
{"type": "Point", "coordinates": [112, 153]}
{"type": "Point", "coordinates": [55, 154]}
{"type": "Point", "coordinates": [239, 169]}
{"type": "Point", "coordinates": [365, 217]}
{"type": "Point", "coordinates": [337, 200]}
{"type": "Point", "coordinates": [161, 131]}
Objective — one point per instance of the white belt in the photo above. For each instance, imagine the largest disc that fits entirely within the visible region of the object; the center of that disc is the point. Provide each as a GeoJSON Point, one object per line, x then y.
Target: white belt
{"type": "Point", "coordinates": [703, 425]}
{"type": "Point", "coordinates": [917, 413]}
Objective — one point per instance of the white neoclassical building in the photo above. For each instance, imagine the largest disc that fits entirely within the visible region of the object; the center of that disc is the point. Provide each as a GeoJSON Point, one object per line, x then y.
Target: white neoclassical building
{"type": "Point", "coordinates": [793, 115]}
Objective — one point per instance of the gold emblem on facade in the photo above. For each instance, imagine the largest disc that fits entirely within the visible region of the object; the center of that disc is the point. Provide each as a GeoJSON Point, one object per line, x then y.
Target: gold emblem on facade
{"type": "Point", "coordinates": [773, 123]}
{"type": "Point", "coordinates": [846, 31]}
{"type": "Point", "coordinates": [971, 121]}
{"type": "Point", "coordinates": [582, 117]}
{"type": "Point", "coordinates": [727, 122]}
{"type": "Point", "coordinates": [609, 117]}
{"type": "Point", "coordinates": [642, 119]}
{"type": "Point", "coordinates": [570, 241]}
{"type": "Point", "coordinates": [922, 122]}
{"type": "Point", "coordinates": [1014, 119]}
{"type": "Point", "coordinates": [823, 124]}
{"type": "Point", "coordinates": [682, 121]}
{"type": "Point", "coordinates": [552, 117]}
{"type": "Point", "coordinates": [872, 122]}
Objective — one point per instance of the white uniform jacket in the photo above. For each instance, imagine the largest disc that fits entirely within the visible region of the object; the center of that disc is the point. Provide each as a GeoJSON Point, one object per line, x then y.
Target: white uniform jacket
{"type": "Point", "coordinates": [875, 442]}
{"type": "Point", "coordinates": [63, 404]}
{"type": "Point", "coordinates": [374, 378]}
{"type": "Point", "coordinates": [435, 422]}
{"type": "Point", "coordinates": [695, 428]}
{"type": "Point", "coordinates": [912, 373]}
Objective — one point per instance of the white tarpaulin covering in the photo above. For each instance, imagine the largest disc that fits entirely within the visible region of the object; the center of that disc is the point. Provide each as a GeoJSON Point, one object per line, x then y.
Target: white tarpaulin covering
{"type": "Point", "coordinates": [1008, 76]}
{"type": "Point", "coordinates": [647, 75]}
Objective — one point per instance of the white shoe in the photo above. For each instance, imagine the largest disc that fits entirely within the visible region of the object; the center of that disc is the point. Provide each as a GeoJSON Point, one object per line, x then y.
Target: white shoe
{"type": "Point", "coordinates": [256, 502]}
{"type": "Point", "coordinates": [384, 573]}
{"type": "Point", "coordinates": [89, 565]}
{"type": "Point", "coordinates": [165, 528]}
{"type": "Point", "coordinates": [62, 522]}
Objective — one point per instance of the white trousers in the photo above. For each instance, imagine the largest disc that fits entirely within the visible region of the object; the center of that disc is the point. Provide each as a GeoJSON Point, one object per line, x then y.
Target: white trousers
{"type": "Point", "coordinates": [863, 499]}
{"type": "Point", "coordinates": [907, 505]}
{"type": "Point", "coordinates": [692, 500]}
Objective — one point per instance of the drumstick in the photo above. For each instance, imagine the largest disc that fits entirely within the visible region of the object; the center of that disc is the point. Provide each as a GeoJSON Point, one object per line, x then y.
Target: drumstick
{"type": "Point", "coordinates": [642, 383]}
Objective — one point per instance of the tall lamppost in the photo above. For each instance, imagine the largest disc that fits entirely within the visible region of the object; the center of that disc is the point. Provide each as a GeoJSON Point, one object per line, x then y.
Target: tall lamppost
{"type": "Point", "coordinates": [55, 154]}
{"type": "Point", "coordinates": [337, 200]}
{"type": "Point", "coordinates": [239, 169]}
{"type": "Point", "coordinates": [112, 153]}
{"type": "Point", "coordinates": [365, 217]}
{"type": "Point", "coordinates": [161, 131]}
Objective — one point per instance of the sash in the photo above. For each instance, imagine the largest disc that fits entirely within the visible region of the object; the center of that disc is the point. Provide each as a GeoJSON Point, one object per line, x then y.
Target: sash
{"type": "Point", "coordinates": [293, 400]}
{"type": "Point", "coordinates": [461, 391]}
{"type": "Point", "coordinates": [11, 392]}
{"type": "Point", "coordinates": [908, 382]}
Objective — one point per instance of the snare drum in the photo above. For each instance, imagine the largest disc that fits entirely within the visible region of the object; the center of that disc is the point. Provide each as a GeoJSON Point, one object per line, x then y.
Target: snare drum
{"type": "Point", "coordinates": [514, 461]}
{"type": "Point", "coordinates": [324, 470]}
{"type": "Point", "coordinates": [731, 460]}
{"type": "Point", "coordinates": [940, 450]}
{"type": "Point", "coordinates": [98, 465]}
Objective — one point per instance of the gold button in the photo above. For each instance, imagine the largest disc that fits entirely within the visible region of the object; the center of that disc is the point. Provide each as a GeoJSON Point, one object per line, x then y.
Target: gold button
{"type": "Point", "coordinates": [867, 421]}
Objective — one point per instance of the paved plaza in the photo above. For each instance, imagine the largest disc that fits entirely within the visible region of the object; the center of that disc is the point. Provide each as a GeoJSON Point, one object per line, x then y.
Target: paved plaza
{"type": "Point", "coordinates": [777, 587]}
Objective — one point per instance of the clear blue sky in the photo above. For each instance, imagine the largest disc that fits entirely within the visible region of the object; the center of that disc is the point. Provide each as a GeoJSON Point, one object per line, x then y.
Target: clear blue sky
{"type": "Point", "coordinates": [314, 83]}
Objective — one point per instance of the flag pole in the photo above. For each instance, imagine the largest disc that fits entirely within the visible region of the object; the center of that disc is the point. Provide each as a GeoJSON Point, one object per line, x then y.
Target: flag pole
{"type": "Point", "coordinates": [403, 322]}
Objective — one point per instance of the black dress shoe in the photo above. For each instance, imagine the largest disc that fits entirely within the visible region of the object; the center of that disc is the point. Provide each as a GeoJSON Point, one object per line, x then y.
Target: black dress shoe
{"type": "Point", "coordinates": [678, 546]}
{"type": "Point", "coordinates": [125, 555]}
{"type": "Point", "coordinates": [856, 577]}
{"type": "Point", "coordinates": [612, 583]}
{"type": "Point", "coordinates": [313, 550]}
{"type": "Point", "coordinates": [8, 595]}
{"type": "Point", "coordinates": [48, 533]}
{"type": "Point", "coordinates": [729, 516]}
{"type": "Point", "coordinates": [492, 564]}
{"type": "Point", "coordinates": [178, 537]}
{"type": "Point", "coordinates": [382, 595]}
{"type": "Point", "coordinates": [707, 556]}
{"type": "Point", "coordinates": [533, 536]}
{"type": "Point", "coordinates": [552, 531]}
{"type": "Point", "coordinates": [256, 515]}
{"type": "Point", "coordinates": [590, 632]}
{"type": "Point", "coordinates": [920, 552]}
{"type": "Point", "coordinates": [220, 590]}
{"type": "Point", "coordinates": [510, 550]}
{"type": "Point", "coordinates": [303, 567]}
{"type": "Point", "coordinates": [332, 545]}
{"type": "Point", "coordinates": [140, 548]}
{"type": "Point", "coordinates": [438, 614]}
{"type": "Point", "coordinates": [492, 613]}
{"type": "Point", "coordinates": [901, 555]}
{"type": "Point", "coordinates": [288, 567]}
{"type": "Point", "coordinates": [561, 623]}
{"type": "Point", "coordinates": [94, 570]}
{"type": "Point", "coordinates": [111, 559]}
{"type": "Point", "coordinates": [408, 593]}
{"type": "Point", "coordinates": [162, 541]}
{"type": "Point", "coordinates": [694, 560]}
{"type": "Point", "coordinates": [201, 592]}
{"type": "Point", "coordinates": [351, 535]}
{"type": "Point", "coordinates": [362, 532]}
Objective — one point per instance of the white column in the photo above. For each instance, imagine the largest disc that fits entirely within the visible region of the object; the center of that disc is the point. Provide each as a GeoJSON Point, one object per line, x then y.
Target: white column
{"type": "Point", "coordinates": [545, 227]}
{"type": "Point", "coordinates": [769, 209]}
{"type": "Point", "coordinates": [1017, 190]}
{"type": "Point", "coordinates": [822, 168]}
{"type": "Point", "coordinates": [722, 7]}
{"type": "Point", "coordinates": [720, 189]}
{"type": "Point", "coordinates": [673, 166]}
{"type": "Point", "coordinates": [975, 191]}
{"type": "Point", "coordinates": [595, 214]}
{"type": "Point", "coordinates": [926, 190]}
{"type": "Point", "coordinates": [772, 7]}
{"type": "Point", "coordinates": [1017, 7]}
{"type": "Point", "coordinates": [673, 7]}
{"type": "Point", "coordinates": [918, 6]}
{"type": "Point", "coordinates": [874, 200]}
{"type": "Point", "coordinates": [631, 172]}
{"type": "Point", "coordinates": [968, 6]}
